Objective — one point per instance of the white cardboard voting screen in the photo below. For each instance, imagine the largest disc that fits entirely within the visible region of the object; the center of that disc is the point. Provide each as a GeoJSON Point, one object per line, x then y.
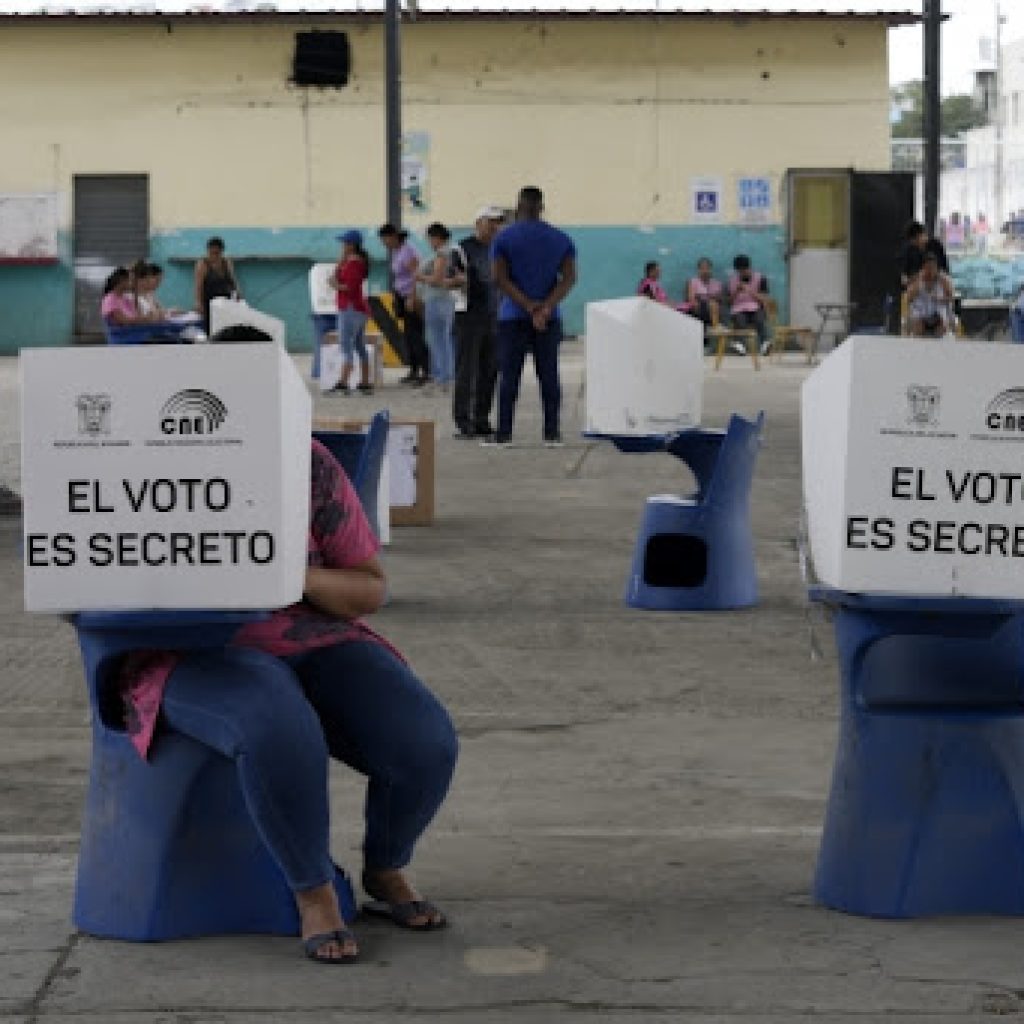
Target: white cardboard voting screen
{"type": "Point", "coordinates": [645, 368]}
{"type": "Point", "coordinates": [164, 477]}
{"type": "Point", "coordinates": [323, 298]}
{"type": "Point", "coordinates": [238, 312]}
{"type": "Point", "coordinates": [913, 467]}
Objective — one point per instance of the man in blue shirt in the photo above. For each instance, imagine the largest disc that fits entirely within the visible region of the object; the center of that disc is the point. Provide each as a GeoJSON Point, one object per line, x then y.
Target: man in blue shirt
{"type": "Point", "coordinates": [534, 270]}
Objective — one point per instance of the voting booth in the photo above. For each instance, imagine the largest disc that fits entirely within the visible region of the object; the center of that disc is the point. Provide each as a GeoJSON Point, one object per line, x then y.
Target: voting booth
{"type": "Point", "coordinates": [914, 494]}
{"type": "Point", "coordinates": [159, 477]}
{"type": "Point", "coordinates": [645, 368]}
{"type": "Point", "coordinates": [912, 468]}
{"type": "Point", "coordinates": [238, 313]}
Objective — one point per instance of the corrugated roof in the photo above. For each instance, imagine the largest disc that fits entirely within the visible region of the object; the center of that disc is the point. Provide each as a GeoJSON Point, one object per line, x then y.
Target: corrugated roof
{"type": "Point", "coordinates": [894, 13]}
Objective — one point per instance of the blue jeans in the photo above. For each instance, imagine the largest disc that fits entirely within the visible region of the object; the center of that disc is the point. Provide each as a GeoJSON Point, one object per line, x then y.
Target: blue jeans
{"type": "Point", "coordinates": [1017, 325]}
{"type": "Point", "coordinates": [439, 321]}
{"type": "Point", "coordinates": [279, 719]}
{"type": "Point", "coordinates": [515, 339]}
{"type": "Point", "coordinates": [351, 332]}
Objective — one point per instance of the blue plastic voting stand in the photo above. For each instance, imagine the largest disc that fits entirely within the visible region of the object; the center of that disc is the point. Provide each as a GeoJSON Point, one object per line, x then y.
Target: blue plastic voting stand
{"type": "Point", "coordinates": [697, 553]}
{"type": "Point", "coordinates": [322, 323]}
{"type": "Point", "coordinates": [168, 848]}
{"type": "Point", "coordinates": [362, 457]}
{"type": "Point", "coordinates": [925, 813]}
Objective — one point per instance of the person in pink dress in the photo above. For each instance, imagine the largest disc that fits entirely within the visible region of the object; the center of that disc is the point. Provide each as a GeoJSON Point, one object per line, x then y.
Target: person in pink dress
{"type": "Point", "coordinates": [748, 296]}
{"type": "Point", "coordinates": [650, 287]}
{"type": "Point", "coordinates": [312, 681]}
{"type": "Point", "coordinates": [118, 307]}
{"type": "Point", "coordinates": [704, 294]}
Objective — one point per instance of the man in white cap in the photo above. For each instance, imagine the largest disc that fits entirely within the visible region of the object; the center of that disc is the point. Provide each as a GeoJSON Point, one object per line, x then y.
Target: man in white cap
{"type": "Point", "coordinates": [476, 367]}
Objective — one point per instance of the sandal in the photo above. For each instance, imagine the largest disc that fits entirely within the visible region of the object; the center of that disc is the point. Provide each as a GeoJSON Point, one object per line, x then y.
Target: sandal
{"type": "Point", "coordinates": [315, 943]}
{"type": "Point", "coordinates": [402, 914]}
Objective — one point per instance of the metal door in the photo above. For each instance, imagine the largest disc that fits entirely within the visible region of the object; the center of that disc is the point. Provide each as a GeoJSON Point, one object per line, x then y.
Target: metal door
{"type": "Point", "coordinates": [881, 206]}
{"type": "Point", "coordinates": [818, 251]}
{"type": "Point", "coordinates": [111, 228]}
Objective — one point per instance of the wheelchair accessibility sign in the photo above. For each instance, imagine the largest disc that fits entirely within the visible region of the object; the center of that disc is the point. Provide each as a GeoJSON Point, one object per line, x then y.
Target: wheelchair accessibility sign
{"type": "Point", "coordinates": [705, 200]}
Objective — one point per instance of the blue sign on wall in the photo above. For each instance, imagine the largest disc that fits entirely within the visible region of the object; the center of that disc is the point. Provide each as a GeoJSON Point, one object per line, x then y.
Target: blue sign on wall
{"type": "Point", "coordinates": [754, 199]}
{"type": "Point", "coordinates": [706, 202]}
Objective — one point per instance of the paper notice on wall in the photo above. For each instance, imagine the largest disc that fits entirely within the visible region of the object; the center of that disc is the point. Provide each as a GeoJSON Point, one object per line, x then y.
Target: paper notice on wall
{"type": "Point", "coordinates": [28, 225]}
{"type": "Point", "coordinates": [754, 199]}
{"type": "Point", "coordinates": [403, 454]}
{"type": "Point", "coordinates": [705, 200]}
{"type": "Point", "coordinates": [416, 172]}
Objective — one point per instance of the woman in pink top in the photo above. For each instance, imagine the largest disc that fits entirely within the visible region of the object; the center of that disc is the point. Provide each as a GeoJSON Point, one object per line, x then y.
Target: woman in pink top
{"type": "Point", "coordinates": [704, 294]}
{"type": "Point", "coordinates": [118, 306]}
{"type": "Point", "coordinates": [650, 286]}
{"type": "Point", "coordinates": [311, 681]}
{"type": "Point", "coordinates": [748, 292]}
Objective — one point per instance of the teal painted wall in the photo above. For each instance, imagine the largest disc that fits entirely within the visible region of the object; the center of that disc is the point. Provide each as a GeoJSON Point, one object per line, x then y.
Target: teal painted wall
{"type": "Point", "coordinates": [273, 266]}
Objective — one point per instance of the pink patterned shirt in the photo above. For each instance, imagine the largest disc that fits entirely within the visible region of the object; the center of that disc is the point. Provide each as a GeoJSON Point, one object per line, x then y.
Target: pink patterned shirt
{"type": "Point", "coordinates": [340, 537]}
{"type": "Point", "coordinates": [741, 295]}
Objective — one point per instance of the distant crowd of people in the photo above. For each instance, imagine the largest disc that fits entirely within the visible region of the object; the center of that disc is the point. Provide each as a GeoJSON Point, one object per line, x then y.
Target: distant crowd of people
{"type": "Point", "coordinates": [745, 292]}
{"type": "Point", "coordinates": [471, 311]}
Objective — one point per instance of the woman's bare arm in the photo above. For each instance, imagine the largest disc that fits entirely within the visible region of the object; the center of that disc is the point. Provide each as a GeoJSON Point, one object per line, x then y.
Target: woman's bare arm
{"type": "Point", "coordinates": [347, 593]}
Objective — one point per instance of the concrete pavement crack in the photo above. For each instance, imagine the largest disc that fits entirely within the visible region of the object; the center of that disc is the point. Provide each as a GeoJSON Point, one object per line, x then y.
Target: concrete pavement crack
{"type": "Point", "coordinates": [33, 1006]}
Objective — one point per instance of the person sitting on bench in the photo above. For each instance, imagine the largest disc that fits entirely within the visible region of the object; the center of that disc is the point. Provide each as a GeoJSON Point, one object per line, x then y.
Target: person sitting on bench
{"type": "Point", "coordinates": [704, 294]}
{"type": "Point", "coordinates": [930, 301]}
{"type": "Point", "coordinates": [650, 287]}
{"type": "Point", "coordinates": [748, 293]}
{"type": "Point", "coordinates": [344, 692]}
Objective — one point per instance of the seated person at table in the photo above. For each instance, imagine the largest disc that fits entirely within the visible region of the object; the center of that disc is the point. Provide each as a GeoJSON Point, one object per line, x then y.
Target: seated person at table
{"type": "Point", "coordinates": [917, 246]}
{"type": "Point", "coordinates": [147, 278]}
{"type": "Point", "coordinates": [118, 307]}
{"type": "Point", "coordinates": [748, 293]}
{"type": "Point", "coordinates": [650, 286]}
{"type": "Point", "coordinates": [704, 294]}
{"type": "Point", "coordinates": [930, 301]}
{"type": "Point", "coordinates": [316, 682]}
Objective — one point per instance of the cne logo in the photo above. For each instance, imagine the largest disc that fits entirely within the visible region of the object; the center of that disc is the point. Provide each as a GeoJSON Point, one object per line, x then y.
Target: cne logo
{"type": "Point", "coordinates": [1006, 412]}
{"type": "Point", "coordinates": [93, 414]}
{"type": "Point", "coordinates": [192, 411]}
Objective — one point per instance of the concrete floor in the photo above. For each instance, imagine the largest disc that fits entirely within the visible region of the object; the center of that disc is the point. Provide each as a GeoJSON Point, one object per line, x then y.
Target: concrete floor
{"type": "Point", "coordinates": [633, 827]}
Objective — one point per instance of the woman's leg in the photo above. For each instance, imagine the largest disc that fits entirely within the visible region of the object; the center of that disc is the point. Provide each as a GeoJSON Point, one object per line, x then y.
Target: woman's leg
{"type": "Point", "coordinates": [419, 357]}
{"type": "Point", "coordinates": [449, 343]}
{"type": "Point", "coordinates": [380, 719]}
{"type": "Point", "coordinates": [434, 326]}
{"type": "Point", "coordinates": [346, 338]}
{"type": "Point", "coordinates": [359, 340]}
{"type": "Point", "coordinates": [442, 347]}
{"type": "Point", "coordinates": [250, 708]}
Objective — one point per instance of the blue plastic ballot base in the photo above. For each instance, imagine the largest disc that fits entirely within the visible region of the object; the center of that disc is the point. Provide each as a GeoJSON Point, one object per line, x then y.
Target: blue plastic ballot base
{"type": "Point", "coordinates": [169, 333]}
{"type": "Point", "coordinates": [925, 811]}
{"type": "Point", "coordinates": [361, 455]}
{"type": "Point", "coordinates": [697, 553]}
{"type": "Point", "coordinates": [322, 323]}
{"type": "Point", "coordinates": [168, 848]}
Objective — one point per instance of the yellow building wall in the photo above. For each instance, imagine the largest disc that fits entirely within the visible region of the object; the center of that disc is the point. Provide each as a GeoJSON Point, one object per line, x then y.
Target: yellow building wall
{"type": "Point", "coordinates": [611, 117]}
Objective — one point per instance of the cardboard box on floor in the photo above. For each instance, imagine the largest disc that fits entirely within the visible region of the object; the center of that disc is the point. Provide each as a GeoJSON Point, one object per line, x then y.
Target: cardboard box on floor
{"type": "Point", "coordinates": [913, 467]}
{"type": "Point", "coordinates": [159, 476]}
{"type": "Point", "coordinates": [410, 457]}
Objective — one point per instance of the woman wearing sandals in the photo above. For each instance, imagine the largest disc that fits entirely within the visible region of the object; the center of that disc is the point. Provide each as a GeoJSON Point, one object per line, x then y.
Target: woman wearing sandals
{"type": "Point", "coordinates": [313, 681]}
{"type": "Point", "coordinates": [348, 280]}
